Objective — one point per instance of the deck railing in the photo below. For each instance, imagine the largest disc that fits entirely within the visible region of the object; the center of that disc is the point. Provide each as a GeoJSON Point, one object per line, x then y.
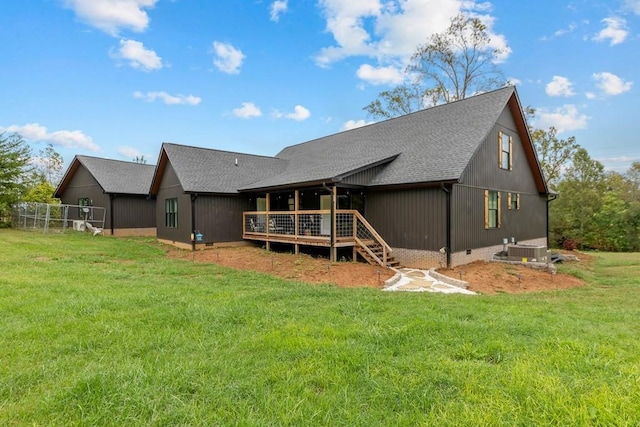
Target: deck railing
{"type": "Point", "coordinates": [314, 227]}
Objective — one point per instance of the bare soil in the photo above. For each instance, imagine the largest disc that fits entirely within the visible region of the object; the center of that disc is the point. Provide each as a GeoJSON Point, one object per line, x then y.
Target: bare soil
{"type": "Point", "coordinates": [483, 277]}
{"type": "Point", "coordinates": [495, 277]}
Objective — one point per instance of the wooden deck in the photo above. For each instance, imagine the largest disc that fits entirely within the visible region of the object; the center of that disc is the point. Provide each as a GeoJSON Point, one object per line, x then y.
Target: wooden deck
{"type": "Point", "coordinates": [337, 229]}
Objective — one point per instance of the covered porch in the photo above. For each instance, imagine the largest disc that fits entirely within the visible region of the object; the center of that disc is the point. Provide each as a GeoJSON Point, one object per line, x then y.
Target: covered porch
{"type": "Point", "coordinates": [327, 226]}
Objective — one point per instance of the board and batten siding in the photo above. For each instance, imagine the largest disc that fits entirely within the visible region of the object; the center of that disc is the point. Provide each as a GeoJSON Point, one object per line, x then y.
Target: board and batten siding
{"type": "Point", "coordinates": [468, 223]}
{"type": "Point", "coordinates": [219, 217]}
{"type": "Point", "coordinates": [484, 173]}
{"type": "Point", "coordinates": [132, 211]}
{"type": "Point", "coordinates": [409, 218]}
{"type": "Point", "coordinates": [363, 177]}
{"type": "Point", "coordinates": [84, 185]}
{"type": "Point", "coordinates": [170, 188]}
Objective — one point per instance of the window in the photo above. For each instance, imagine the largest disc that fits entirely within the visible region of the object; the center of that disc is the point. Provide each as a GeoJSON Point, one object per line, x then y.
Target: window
{"type": "Point", "coordinates": [82, 202]}
{"type": "Point", "coordinates": [491, 209]}
{"type": "Point", "coordinates": [514, 201]}
{"type": "Point", "coordinates": [505, 143]}
{"type": "Point", "coordinates": [171, 213]}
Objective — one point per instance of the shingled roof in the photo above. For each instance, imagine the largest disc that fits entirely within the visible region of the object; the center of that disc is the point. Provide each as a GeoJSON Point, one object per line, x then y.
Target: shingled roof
{"type": "Point", "coordinates": [113, 176]}
{"type": "Point", "coordinates": [203, 170]}
{"type": "Point", "coordinates": [432, 145]}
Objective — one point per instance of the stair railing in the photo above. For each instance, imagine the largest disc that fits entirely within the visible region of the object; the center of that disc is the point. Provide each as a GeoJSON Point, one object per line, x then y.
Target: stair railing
{"type": "Point", "coordinates": [363, 233]}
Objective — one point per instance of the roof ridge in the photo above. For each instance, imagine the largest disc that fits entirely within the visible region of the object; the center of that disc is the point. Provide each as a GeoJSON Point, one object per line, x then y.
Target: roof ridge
{"type": "Point", "coordinates": [221, 151]}
{"type": "Point", "coordinates": [447, 104]}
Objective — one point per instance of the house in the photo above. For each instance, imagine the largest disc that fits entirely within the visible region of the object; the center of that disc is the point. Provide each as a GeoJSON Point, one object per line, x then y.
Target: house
{"type": "Point", "coordinates": [122, 188]}
{"type": "Point", "coordinates": [442, 186]}
{"type": "Point", "coordinates": [197, 193]}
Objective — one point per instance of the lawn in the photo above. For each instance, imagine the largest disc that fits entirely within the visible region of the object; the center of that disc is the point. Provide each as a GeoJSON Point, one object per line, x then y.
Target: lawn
{"type": "Point", "coordinates": [106, 331]}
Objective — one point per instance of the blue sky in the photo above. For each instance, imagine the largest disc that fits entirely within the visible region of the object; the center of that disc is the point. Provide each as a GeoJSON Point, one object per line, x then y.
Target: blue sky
{"type": "Point", "coordinates": [116, 78]}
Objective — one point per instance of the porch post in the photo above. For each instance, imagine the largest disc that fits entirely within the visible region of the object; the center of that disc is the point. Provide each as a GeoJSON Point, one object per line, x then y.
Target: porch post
{"type": "Point", "coordinates": [295, 220]}
{"type": "Point", "coordinates": [266, 221]}
{"type": "Point", "coordinates": [334, 250]}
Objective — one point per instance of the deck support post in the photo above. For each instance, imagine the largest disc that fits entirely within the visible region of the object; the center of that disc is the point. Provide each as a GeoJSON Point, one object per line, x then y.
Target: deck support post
{"type": "Point", "coordinates": [334, 250]}
{"type": "Point", "coordinates": [296, 207]}
{"type": "Point", "coordinates": [266, 221]}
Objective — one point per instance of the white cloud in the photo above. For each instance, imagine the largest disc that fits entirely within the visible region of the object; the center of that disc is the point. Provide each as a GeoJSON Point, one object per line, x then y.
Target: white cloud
{"type": "Point", "coordinates": [615, 30]}
{"type": "Point", "coordinates": [610, 84]}
{"type": "Point", "coordinates": [352, 124]}
{"type": "Point", "coordinates": [299, 114]}
{"type": "Point", "coordinates": [128, 152]}
{"type": "Point", "coordinates": [559, 86]}
{"type": "Point", "coordinates": [61, 138]}
{"type": "Point", "coordinates": [391, 31]}
{"type": "Point", "coordinates": [590, 95]}
{"type": "Point", "coordinates": [633, 5]}
{"type": "Point", "coordinates": [380, 75]}
{"type": "Point", "coordinates": [247, 111]}
{"type": "Point", "coordinates": [112, 15]}
{"type": "Point", "coordinates": [228, 59]}
{"type": "Point", "coordinates": [565, 118]}
{"type": "Point", "coordinates": [278, 7]}
{"type": "Point", "coordinates": [514, 81]}
{"type": "Point", "coordinates": [138, 56]}
{"type": "Point", "coordinates": [167, 98]}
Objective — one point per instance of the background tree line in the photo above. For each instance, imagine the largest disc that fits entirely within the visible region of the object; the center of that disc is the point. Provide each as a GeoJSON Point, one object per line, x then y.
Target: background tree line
{"type": "Point", "coordinates": [25, 176]}
{"type": "Point", "coordinates": [594, 208]}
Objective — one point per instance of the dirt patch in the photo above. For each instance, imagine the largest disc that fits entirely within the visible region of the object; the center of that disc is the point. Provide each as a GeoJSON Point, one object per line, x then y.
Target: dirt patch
{"type": "Point", "coordinates": [483, 277]}
{"type": "Point", "coordinates": [495, 277]}
{"type": "Point", "coordinates": [302, 267]}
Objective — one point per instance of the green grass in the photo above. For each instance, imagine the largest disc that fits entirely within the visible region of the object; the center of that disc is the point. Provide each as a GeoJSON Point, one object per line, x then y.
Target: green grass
{"type": "Point", "coordinates": [106, 331]}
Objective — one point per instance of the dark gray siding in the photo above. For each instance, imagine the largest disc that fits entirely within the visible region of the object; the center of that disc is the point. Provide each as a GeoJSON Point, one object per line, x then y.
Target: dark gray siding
{"type": "Point", "coordinates": [83, 185]}
{"type": "Point", "coordinates": [409, 218]}
{"type": "Point", "coordinates": [363, 177]}
{"type": "Point", "coordinates": [483, 172]}
{"type": "Point", "coordinates": [133, 212]}
{"type": "Point", "coordinates": [468, 232]}
{"type": "Point", "coordinates": [170, 188]}
{"type": "Point", "coordinates": [219, 217]}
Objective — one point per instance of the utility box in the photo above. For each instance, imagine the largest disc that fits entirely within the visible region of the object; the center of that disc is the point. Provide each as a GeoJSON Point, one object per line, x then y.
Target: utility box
{"type": "Point", "coordinates": [78, 225]}
{"type": "Point", "coordinates": [528, 253]}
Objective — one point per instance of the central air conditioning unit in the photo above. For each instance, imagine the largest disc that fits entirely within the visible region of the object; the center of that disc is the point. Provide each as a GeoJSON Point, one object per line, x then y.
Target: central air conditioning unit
{"type": "Point", "coordinates": [78, 225]}
{"type": "Point", "coordinates": [528, 253]}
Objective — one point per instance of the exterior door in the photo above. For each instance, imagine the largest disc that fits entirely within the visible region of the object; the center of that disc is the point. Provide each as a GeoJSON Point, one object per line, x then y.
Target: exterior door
{"type": "Point", "coordinates": [325, 220]}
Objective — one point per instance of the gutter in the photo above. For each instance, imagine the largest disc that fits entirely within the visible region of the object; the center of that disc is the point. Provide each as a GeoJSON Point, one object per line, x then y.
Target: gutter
{"type": "Point", "coordinates": [551, 197]}
{"type": "Point", "coordinates": [448, 222]}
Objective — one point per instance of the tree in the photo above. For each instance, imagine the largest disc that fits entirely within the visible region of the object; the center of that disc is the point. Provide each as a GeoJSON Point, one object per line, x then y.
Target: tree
{"type": "Point", "coordinates": [15, 155]}
{"type": "Point", "coordinates": [581, 197]}
{"type": "Point", "coordinates": [49, 165]}
{"type": "Point", "coordinates": [554, 154]}
{"type": "Point", "coordinates": [452, 65]}
{"type": "Point", "coordinates": [140, 159]}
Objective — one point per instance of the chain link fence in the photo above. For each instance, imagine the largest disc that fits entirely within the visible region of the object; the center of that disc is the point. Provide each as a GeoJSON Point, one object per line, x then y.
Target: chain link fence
{"type": "Point", "coordinates": [56, 218]}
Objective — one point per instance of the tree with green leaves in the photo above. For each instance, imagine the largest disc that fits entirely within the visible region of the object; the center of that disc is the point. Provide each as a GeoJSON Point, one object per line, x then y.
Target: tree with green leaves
{"type": "Point", "coordinates": [554, 153]}
{"type": "Point", "coordinates": [581, 190]}
{"type": "Point", "coordinates": [15, 169]}
{"type": "Point", "coordinates": [140, 159]}
{"type": "Point", "coordinates": [48, 166]}
{"type": "Point", "coordinates": [450, 66]}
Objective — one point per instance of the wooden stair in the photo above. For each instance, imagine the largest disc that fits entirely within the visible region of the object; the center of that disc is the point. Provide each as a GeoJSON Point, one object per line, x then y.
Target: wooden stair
{"type": "Point", "coordinates": [370, 245]}
{"type": "Point", "coordinates": [374, 252]}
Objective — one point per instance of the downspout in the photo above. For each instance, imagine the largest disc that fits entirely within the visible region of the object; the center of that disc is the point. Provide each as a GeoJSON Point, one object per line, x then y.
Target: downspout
{"type": "Point", "coordinates": [333, 213]}
{"type": "Point", "coordinates": [447, 192]}
{"type": "Point", "coordinates": [550, 199]}
{"type": "Point", "coordinates": [111, 197]}
{"type": "Point", "coordinates": [194, 196]}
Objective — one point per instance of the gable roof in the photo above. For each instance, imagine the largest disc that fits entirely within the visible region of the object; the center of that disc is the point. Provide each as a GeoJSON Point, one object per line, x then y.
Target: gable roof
{"type": "Point", "coordinates": [203, 170]}
{"type": "Point", "coordinates": [430, 146]}
{"type": "Point", "coordinates": [113, 176]}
